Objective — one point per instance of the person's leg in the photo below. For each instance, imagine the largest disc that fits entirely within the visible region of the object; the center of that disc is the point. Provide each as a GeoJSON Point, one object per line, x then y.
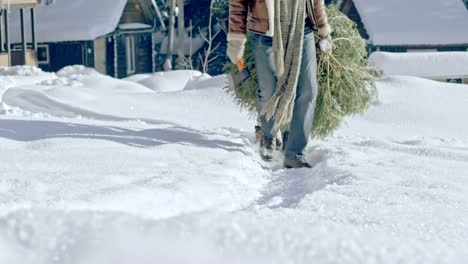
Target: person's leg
{"type": "Point", "coordinates": [266, 80]}
{"type": "Point", "coordinates": [266, 87]}
{"type": "Point", "coordinates": [304, 107]}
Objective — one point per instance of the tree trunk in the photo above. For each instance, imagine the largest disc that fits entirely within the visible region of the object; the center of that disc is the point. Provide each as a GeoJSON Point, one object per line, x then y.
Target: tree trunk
{"type": "Point", "coordinates": [170, 42]}
{"type": "Point", "coordinates": [181, 33]}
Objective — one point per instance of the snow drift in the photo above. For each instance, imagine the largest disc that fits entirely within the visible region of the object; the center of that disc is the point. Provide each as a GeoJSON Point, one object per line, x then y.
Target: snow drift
{"type": "Point", "coordinates": [435, 65]}
{"type": "Point", "coordinates": [110, 171]}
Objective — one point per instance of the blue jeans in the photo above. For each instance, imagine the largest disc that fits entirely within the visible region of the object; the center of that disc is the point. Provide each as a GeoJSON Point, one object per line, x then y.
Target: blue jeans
{"type": "Point", "coordinates": [307, 89]}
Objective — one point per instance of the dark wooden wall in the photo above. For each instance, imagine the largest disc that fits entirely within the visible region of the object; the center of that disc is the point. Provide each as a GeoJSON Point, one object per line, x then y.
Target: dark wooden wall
{"type": "Point", "coordinates": [110, 48]}
{"type": "Point", "coordinates": [143, 54]}
{"type": "Point", "coordinates": [406, 48]}
{"type": "Point", "coordinates": [82, 53]}
{"type": "Point", "coordinates": [69, 53]}
{"type": "Point", "coordinates": [133, 13]}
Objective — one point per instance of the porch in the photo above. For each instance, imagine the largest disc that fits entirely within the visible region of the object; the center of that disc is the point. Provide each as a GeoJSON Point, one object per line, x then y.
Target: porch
{"type": "Point", "coordinates": [25, 53]}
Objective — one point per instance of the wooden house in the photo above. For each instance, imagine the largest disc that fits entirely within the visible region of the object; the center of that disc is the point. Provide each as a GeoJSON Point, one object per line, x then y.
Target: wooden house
{"type": "Point", "coordinates": [112, 36]}
{"type": "Point", "coordinates": [407, 26]}
{"type": "Point", "coordinates": [25, 54]}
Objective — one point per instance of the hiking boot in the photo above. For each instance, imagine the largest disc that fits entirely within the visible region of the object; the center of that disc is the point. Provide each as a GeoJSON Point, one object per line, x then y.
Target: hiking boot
{"type": "Point", "coordinates": [298, 162]}
{"type": "Point", "coordinates": [259, 136]}
{"type": "Point", "coordinates": [279, 144]}
{"type": "Point", "coordinates": [267, 148]}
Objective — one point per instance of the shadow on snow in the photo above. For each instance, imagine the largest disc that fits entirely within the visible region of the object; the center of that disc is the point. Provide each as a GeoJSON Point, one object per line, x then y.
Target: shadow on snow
{"type": "Point", "coordinates": [28, 130]}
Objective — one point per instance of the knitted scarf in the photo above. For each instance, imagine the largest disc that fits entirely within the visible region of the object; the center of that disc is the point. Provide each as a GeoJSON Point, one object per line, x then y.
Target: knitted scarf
{"type": "Point", "coordinates": [287, 47]}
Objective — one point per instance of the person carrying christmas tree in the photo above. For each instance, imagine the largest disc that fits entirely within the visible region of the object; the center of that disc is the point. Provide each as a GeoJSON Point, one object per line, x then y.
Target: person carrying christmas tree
{"type": "Point", "coordinates": [286, 67]}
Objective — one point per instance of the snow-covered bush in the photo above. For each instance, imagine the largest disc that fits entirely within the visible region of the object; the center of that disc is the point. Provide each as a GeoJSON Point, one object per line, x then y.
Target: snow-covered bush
{"type": "Point", "coordinates": [20, 71]}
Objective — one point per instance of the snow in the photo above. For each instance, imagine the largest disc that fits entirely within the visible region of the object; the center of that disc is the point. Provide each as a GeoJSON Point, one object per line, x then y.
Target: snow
{"type": "Point", "coordinates": [18, 75]}
{"type": "Point", "coordinates": [130, 26]}
{"type": "Point", "coordinates": [7, 4]}
{"type": "Point", "coordinates": [177, 80]}
{"type": "Point", "coordinates": [205, 81]}
{"type": "Point", "coordinates": [110, 171]}
{"type": "Point", "coordinates": [168, 81]}
{"type": "Point", "coordinates": [442, 65]}
{"type": "Point", "coordinates": [128, 100]}
{"type": "Point", "coordinates": [415, 22]}
{"type": "Point", "coordinates": [20, 71]}
{"type": "Point", "coordinates": [64, 20]}
{"type": "Point", "coordinates": [191, 45]}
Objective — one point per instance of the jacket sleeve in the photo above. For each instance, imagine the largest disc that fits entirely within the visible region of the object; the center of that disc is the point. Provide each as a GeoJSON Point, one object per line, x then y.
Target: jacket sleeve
{"type": "Point", "coordinates": [238, 10]}
{"type": "Point", "coordinates": [324, 29]}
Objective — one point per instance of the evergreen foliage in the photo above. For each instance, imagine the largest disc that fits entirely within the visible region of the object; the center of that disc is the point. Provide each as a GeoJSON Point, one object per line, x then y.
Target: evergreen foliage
{"type": "Point", "coordinates": [346, 79]}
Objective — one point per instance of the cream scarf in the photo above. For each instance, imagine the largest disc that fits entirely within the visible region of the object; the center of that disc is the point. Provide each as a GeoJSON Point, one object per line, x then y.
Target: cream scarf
{"type": "Point", "coordinates": [287, 47]}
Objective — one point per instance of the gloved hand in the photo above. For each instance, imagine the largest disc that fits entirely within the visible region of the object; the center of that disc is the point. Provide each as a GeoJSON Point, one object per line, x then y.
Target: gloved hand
{"type": "Point", "coordinates": [326, 45]}
{"type": "Point", "coordinates": [236, 46]}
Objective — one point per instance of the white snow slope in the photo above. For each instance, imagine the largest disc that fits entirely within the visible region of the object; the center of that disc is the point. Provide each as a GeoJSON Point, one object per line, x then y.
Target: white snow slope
{"type": "Point", "coordinates": [97, 170]}
{"type": "Point", "coordinates": [422, 64]}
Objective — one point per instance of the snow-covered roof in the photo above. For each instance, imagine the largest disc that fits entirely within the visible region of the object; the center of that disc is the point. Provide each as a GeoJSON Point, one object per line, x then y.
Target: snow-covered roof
{"type": "Point", "coordinates": [414, 22]}
{"type": "Point", "coordinates": [71, 20]}
{"type": "Point", "coordinates": [435, 65]}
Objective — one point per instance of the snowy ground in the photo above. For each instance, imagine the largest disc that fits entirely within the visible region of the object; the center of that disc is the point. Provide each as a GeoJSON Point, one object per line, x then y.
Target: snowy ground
{"type": "Point", "coordinates": [97, 170]}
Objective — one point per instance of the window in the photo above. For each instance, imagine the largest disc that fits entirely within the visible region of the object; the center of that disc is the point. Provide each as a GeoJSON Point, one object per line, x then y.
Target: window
{"type": "Point", "coordinates": [43, 56]}
{"type": "Point", "coordinates": [130, 54]}
{"type": "Point", "coordinates": [19, 47]}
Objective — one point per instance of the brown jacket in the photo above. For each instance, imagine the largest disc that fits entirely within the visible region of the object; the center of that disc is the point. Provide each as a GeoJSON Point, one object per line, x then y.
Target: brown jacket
{"type": "Point", "coordinates": [256, 16]}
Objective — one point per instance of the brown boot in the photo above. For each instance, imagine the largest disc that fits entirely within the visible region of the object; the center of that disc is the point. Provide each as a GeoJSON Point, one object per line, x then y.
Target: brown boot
{"type": "Point", "coordinates": [259, 136]}
{"type": "Point", "coordinates": [296, 163]}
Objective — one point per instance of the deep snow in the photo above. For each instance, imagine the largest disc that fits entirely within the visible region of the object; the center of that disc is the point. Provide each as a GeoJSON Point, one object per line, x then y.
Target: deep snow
{"type": "Point", "coordinates": [443, 65]}
{"type": "Point", "coordinates": [97, 170]}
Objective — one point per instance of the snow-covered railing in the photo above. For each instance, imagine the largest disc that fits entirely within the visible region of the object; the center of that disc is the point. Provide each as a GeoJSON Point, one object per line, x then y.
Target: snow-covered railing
{"type": "Point", "coordinates": [5, 4]}
{"type": "Point", "coordinates": [432, 65]}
